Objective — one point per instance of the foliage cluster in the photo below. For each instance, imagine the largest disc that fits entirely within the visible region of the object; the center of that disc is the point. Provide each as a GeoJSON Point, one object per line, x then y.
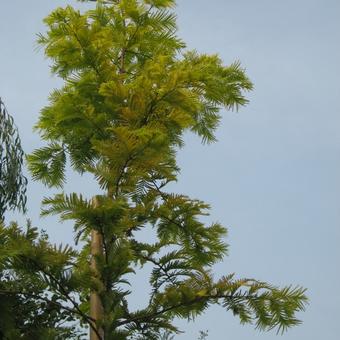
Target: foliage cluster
{"type": "Point", "coordinates": [12, 181]}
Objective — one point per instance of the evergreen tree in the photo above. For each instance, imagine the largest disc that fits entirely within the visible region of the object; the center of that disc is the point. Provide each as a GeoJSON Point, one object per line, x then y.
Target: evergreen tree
{"type": "Point", "coordinates": [131, 90]}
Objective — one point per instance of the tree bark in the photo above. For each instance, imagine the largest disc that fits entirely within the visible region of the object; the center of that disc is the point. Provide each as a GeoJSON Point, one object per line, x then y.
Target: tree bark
{"type": "Point", "coordinates": [96, 306]}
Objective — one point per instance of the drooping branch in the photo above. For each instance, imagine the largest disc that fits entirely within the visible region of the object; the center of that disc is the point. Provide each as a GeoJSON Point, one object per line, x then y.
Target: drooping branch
{"type": "Point", "coordinates": [13, 183]}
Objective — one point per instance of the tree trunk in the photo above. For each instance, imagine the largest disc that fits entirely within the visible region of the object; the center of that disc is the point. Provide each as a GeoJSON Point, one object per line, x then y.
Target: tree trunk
{"type": "Point", "coordinates": [96, 307]}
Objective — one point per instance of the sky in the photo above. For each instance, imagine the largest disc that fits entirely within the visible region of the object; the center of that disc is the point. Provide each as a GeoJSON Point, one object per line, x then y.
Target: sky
{"type": "Point", "coordinates": [273, 176]}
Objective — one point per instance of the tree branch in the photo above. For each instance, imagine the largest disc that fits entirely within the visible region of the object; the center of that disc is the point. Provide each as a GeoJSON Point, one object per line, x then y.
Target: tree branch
{"type": "Point", "coordinates": [37, 296]}
{"type": "Point", "coordinates": [64, 292]}
{"type": "Point", "coordinates": [205, 298]}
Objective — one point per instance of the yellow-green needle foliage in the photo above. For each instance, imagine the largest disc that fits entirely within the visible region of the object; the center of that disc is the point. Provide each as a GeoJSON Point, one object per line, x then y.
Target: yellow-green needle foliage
{"type": "Point", "coordinates": [131, 91]}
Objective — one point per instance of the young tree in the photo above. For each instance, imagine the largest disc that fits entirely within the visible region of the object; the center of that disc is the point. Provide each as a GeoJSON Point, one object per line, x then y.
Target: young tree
{"type": "Point", "coordinates": [130, 92]}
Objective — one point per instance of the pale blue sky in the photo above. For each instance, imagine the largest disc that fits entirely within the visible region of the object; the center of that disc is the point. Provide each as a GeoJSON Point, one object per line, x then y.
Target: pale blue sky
{"type": "Point", "coordinates": [273, 177]}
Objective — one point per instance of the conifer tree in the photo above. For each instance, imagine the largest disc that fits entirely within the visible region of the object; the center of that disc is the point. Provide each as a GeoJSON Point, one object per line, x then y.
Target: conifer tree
{"type": "Point", "coordinates": [131, 90]}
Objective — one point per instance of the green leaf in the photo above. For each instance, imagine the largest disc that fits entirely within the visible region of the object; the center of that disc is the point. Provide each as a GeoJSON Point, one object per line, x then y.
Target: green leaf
{"type": "Point", "coordinates": [47, 164]}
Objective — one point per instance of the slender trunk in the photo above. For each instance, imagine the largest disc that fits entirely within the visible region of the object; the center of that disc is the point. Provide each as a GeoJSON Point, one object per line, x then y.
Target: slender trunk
{"type": "Point", "coordinates": [96, 307]}
{"type": "Point", "coordinates": [97, 245]}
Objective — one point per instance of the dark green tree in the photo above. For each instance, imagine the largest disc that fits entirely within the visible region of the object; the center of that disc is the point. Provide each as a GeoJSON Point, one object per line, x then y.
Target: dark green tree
{"type": "Point", "coordinates": [28, 307]}
{"type": "Point", "coordinates": [33, 303]}
{"type": "Point", "coordinates": [12, 181]}
{"type": "Point", "coordinates": [131, 90]}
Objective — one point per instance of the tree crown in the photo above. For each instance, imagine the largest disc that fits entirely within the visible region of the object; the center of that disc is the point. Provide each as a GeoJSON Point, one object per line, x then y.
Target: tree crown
{"type": "Point", "coordinates": [131, 90]}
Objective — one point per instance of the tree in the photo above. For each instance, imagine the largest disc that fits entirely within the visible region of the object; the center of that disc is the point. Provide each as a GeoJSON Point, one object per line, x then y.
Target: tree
{"type": "Point", "coordinates": [12, 181]}
{"type": "Point", "coordinates": [130, 92]}
{"type": "Point", "coordinates": [26, 311]}
{"type": "Point", "coordinates": [33, 306]}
